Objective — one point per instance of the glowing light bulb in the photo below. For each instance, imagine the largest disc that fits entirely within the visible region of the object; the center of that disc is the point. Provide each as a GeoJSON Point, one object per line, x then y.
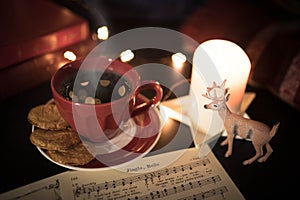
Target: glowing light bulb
{"type": "Point", "coordinates": [178, 59]}
{"type": "Point", "coordinates": [70, 55]}
{"type": "Point", "coordinates": [103, 32]}
{"type": "Point", "coordinates": [126, 55]}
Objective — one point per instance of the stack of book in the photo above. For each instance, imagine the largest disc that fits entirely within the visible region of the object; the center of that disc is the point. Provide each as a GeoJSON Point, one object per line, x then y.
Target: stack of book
{"type": "Point", "coordinates": [34, 36]}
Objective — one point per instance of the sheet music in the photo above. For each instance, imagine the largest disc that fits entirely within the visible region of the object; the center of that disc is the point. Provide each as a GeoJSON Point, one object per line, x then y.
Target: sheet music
{"type": "Point", "coordinates": [189, 177]}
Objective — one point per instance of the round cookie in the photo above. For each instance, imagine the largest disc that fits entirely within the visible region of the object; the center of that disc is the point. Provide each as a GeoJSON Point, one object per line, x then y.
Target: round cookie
{"type": "Point", "coordinates": [54, 139]}
{"type": "Point", "coordinates": [75, 156]}
{"type": "Point", "coordinates": [47, 117]}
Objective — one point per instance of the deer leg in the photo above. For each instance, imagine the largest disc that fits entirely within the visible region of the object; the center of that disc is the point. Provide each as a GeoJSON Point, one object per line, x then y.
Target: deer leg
{"type": "Point", "coordinates": [268, 153]}
{"type": "Point", "coordinates": [259, 152]}
{"type": "Point", "coordinates": [229, 141]}
{"type": "Point", "coordinates": [224, 142]}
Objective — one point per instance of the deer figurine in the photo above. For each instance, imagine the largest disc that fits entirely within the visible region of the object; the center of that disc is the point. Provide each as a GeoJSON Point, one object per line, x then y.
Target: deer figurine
{"type": "Point", "coordinates": [259, 133]}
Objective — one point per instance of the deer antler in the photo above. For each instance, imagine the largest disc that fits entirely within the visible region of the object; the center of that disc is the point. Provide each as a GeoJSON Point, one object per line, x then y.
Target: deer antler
{"type": "Point", "coordinates": [215, 96]}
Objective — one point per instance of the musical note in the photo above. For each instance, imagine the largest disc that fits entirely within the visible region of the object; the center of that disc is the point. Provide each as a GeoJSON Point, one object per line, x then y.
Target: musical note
{"type": "Point", "coordinates": [193, 178]}
{"type": "Point", "coordinates": [147, 178]}
{"type": "Point", "coordinates": [186, 187]}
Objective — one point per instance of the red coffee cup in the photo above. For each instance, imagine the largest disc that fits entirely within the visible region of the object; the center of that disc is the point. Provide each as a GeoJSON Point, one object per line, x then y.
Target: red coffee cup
{"type": "Point", "coordinates": [99, 122]}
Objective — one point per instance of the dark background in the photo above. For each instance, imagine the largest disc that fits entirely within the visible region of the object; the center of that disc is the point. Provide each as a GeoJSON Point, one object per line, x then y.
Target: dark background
{"type": "Point", "coordinates": [23, 164]}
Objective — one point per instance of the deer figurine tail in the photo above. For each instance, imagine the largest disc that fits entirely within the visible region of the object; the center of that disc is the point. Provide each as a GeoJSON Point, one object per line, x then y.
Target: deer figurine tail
{"type": "Point", "coordinates": [274, 129]}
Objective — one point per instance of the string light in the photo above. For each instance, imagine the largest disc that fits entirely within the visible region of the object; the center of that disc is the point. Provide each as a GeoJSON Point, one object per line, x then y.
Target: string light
{"type": "Point", "coordinates": [70, 55]}
{"type": "Point", "coordinates": [103, 32]}
{"type": "Point", "coordinates": [178, 59]}
{"type": "Point", "coordinates": [126, 55]}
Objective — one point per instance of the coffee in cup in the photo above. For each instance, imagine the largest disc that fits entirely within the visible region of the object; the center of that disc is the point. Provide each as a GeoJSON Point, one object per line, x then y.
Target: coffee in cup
{"type": "Point", "coordinates": [96, 95]}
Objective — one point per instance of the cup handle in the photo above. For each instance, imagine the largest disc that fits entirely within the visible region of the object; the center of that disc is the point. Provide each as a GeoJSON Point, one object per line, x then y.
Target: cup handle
{"type": "Point", "coordinates": [139, 108]}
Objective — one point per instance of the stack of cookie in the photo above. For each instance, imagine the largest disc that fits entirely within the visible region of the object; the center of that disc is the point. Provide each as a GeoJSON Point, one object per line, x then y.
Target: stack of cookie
{"type": "Point", "coordinates": [53, 134]}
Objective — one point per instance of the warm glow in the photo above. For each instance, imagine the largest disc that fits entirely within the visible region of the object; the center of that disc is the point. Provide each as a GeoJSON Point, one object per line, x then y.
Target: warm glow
{"type": "Point", "coordinates": [103, 32]}
{"type": "Point", "coordinates": [70, 55]}
{"type": "Point", "coordinates": [233, 64]}
{"type": "Point", "coordinates": [126, 55]}
{"type": "Point", "coordinates": [178, 59]}
{"type": "Point", "coordinates": [216, 60]}
{"type": "Point", "coordinates": [61, 64]}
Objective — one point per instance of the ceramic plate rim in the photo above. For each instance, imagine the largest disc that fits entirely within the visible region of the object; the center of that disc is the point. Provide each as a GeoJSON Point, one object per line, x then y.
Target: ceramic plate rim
{"type": "Point", "coordinates": [78, 168]}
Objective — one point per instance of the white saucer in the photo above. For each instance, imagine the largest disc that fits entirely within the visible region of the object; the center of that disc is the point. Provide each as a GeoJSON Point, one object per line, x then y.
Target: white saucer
{"type": "Point", "coordinates": [126, 148]}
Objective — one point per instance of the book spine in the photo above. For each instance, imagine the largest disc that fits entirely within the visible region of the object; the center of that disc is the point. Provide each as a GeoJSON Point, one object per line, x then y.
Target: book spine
{"type": "Point", "coordinates": [28, 74]}
{"type": "Point", "coordinates": [12, 54]}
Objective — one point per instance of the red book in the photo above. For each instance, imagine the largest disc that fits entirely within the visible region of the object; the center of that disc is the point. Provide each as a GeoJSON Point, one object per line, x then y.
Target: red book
{"type": "Point", "coordinates": [38, 70]}
{"type": "Point", "coordinates": [33, 27]}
